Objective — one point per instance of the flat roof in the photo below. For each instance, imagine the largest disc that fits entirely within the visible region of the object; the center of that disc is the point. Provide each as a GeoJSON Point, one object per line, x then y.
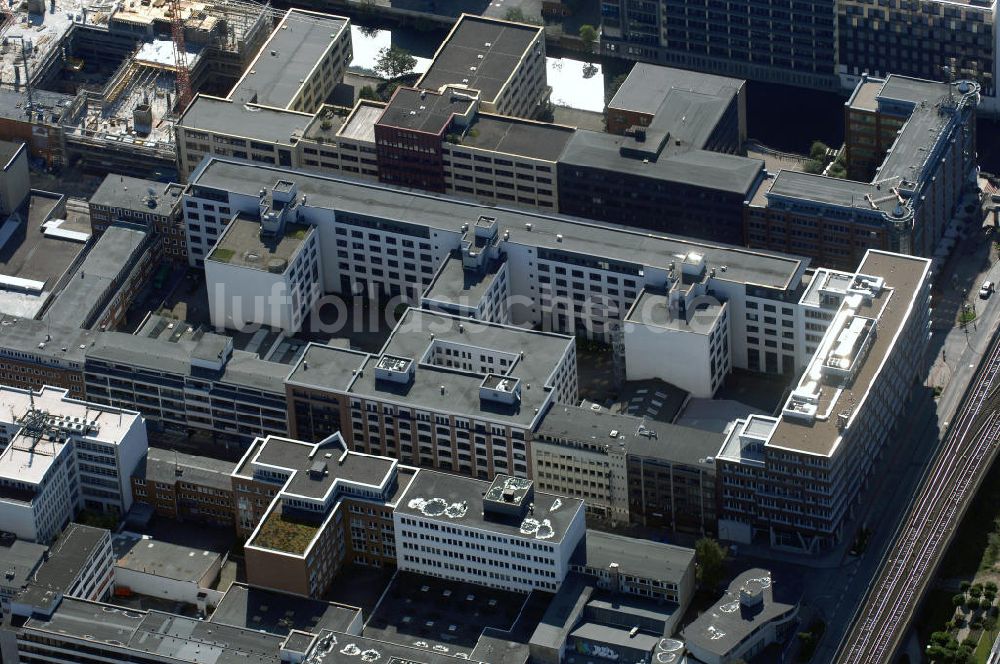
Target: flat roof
{"type": "Point", "coordinates": [695, 167]}
{"type": "Point", "coordinates": [542, 352]}
{"type": "Point", "coordinates": [423, 111]}
{"type": "Point", "coordinates": [637, 557]}
{"type": "Point", "coordinates": [90, 285]}
{"type": "Point", "coordinates": [70, 553]}
{"type": "Point", "coordinates": [9, 150]}
{"type": "Point", "coordinates": [727, 623]}
{"type": "Point", "coordinates": [647, 439]}
{"type": "Point", "coordinates": [453, 284]}
{"type": "Point", "coordinates": [480, 53]}
{"type": "Point", "coordinates": [19, 560]}
{"type": "Point", "coordinates": [652, 308]}
{"type": "Point", "coordinates": [346, 648]}
{"type": "Point", "coordinates": [327, 367]}
{"type": "Point", "coordinates": [241, 244]}
{"type": "Point", "coordinates": [280, 613]}
{"type": "Point", "coordinates": [170, 466]}
{"type": "Point", "coordinates": [288, 57]}
{"type": "Point", "coordinates": [904, 277]}
{"type": "Point", "coordinates": [163, 559]}
{"type": "Point", "coordinates": [618, 636]}
{"type": "Point", "coordinates": [427, 485]}
{"type": "Point", "coordinates": [300, 457]}
{"type": "Point", "coordinates": [516, 137]}
{"type": "Point", "coordinates": [647, 86]}
{"type": "Point", "coordinates": [222, 116]}
{"type": "Point", "coordinates": [360, 124]}
{"type": "Point", "coordinates": [137, 194]}
{"type": "Point", "coordinates": [561, 233]}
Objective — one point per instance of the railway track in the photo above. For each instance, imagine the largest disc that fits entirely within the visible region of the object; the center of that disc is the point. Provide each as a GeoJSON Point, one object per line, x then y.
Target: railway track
{"type": "Point", "coordinates": [922, 537]}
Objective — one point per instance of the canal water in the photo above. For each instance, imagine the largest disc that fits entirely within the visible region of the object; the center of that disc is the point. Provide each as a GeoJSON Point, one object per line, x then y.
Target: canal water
{"type": "Point", "coordinates": [780, 116]}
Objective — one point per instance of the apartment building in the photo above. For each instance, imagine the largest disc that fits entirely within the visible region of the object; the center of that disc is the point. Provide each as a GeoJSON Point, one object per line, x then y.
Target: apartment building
{"type": "Point", "coordinates": [502, 534]}
{"type": "Point", "coordinates": [63, 455]}
{"type": "Point", "coordinates": [188, 379]}
{"type": "Point", "coordinates": [794, 479]}
{"type": "Point", "coordinates": [628, 469]}
{"type": "Point", "coordinates": [261, 118]}
{"type": "Point", "coordinates": [34, 353]}
{"type": "Point", "coordinates": [445, 392]}
{"type": "Point", "coordinates": [768, 41]}
{"type": "Point", "coordinates": [921, 136]}
{"type": "Point", "coordinates": [147, 203]}
{"type": "Point", "coordinates": [502, 61]}
{"type": "Point", "coordinates": [184, 487]}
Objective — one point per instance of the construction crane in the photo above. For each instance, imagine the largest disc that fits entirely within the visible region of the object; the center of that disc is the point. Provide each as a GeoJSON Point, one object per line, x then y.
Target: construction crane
{"type": "Point", "coordinates": [180, 56]}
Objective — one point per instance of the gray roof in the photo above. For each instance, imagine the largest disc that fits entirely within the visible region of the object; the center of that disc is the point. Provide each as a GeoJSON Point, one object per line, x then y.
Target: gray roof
{"type": "Point", "coordinates": [89, 288]}
{"type": "Point", "coordinates": [67, 557]}
{"type": "Point", "coordinates": [327, 366]}
{"type": "Point", "coordinates": [288, 56]}
{"type": "Point", "coordinates": [345, 648]}
{"type": "Point", "coordinates": [673, 443]}
{"type": "Point", "coordinates": [542, 352]}
{"type": "Point", "coordinates": [20, 559]}
{"type": "Point", "coordinates": [127, 192]}
{"type": "Point", "coordinates": [647, 86]}
{"type": "Point", "coordinates": [517, 137]}
{"type": "Point", "coordinates": [231, 118]}
{"type": "Point", "coordinates": [564, 611]}
{"type": "Point", "coordinates": [615, 636]}
{"type": "Point", "coordinates": [696, 168]}
{"type": "Point", "coordinates": [430, 484]}
{"type": "Point", "coordinates": [9, 150]}
{"type": "Point", "coordinates": [296, 456]}
{"type": "Point", "coordinates": [421, 111]}
{"type": "Point", "coordinates": [453, 284]}
{"type": "Point", "coordinates": [175, 637]}
{"type": "Point", "coordinates": [241, 244]}
{"type": "Point", "coordinates": [765, 268]}
{"type": "Point", "coordinates": [719, 631]}
{"type": "Point", "coordinates": [163, 466]}
{"type": "Point", "coordinates": [279, 613]}
{"type": "Point", "coordinates": [636, 557]}
{"type": "Point", "coordinates": [492, 46]}
{"type": "Point", "coordinates": [52, 104]}
{"type": "Point", "coordinates": [62, 344]}
{"type": "Point", "coordinates": [164, 559]}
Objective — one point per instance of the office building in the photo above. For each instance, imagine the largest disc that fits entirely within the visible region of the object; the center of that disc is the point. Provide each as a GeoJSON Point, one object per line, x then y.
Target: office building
{"type": "Point", "coordinates": [147, 203]}
{"type": "Point", "coordinates": [187, 378]}
{"type": "Point", "coordinates": [773, 41]}
{"type": "Point", "coordinates": [627, 468]}
{"type": "Point", "coordinates": [754, 613]}
{"type": "Point", "coordinates": [185, 487]}
{"type": "Point", "coordinates": [795, 479]}
{"type": "Point", "coordinates": [63, 455]}
{"type": "Point", "coordinates": [261, 118]}
{"type": "Point", "coordinates": [445, 392]}
{"type": "Point", "coordinates": [911, 146]}
{"type": "Point", "coordinates": [15, 181]}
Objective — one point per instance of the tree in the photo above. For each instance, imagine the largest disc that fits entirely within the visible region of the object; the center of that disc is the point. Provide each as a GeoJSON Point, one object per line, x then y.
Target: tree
{"type": "Point", "coordinates": [958, 600]}
{"type": "Point", "coordinates": [616, 83]}
{"type": "Point", "coordinates": [965, 585]}
{"type": "Point", "coordinates": [818, 151]}
{"type": "Point", "coordinates": [394, 61]}
{"type": "Point", "coordinates": [515, 14]}
{"type": "Point", "coordinates": [711, 559]}
{"type": "Point", "coordinates": [588, 35]}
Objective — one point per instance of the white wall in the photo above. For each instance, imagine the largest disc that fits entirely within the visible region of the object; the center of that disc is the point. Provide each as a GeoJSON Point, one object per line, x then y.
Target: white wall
{"type": "Point", "coordinates": [241, 296]}
{"type": "Point", "coordinates": [678, 357]}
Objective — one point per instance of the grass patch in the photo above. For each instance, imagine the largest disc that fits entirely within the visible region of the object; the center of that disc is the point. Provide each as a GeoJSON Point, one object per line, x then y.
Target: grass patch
{"type": "Point", "coordinates": [282, 534]}
{"type": "Point", "coordinates": [223, 255]}
{"type": "Point", "coordinates": [982, 653]}
{"type": "Point", "coordinates": [967, 316]}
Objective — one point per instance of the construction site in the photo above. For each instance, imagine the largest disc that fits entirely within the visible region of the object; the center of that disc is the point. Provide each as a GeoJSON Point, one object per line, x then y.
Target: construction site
{"type": "Point", "coordinates": [126, 69]}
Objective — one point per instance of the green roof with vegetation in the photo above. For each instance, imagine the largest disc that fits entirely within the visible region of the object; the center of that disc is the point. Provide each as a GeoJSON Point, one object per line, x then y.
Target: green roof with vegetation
{"type": "Point", "coordinates": [283, 534]}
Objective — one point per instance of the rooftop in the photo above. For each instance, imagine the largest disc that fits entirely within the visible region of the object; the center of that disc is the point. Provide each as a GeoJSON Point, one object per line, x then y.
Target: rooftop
{"type": "Point", "coordinates": [636, 557]}
{"type": "Point", "coordinates": [114, 253]}
{"type": "Point", "coordinates": [481, 54]}
{"type": "Point", "coordinates": [287, 58]}
{"type": "Point", "coordinates": [279, 613]}
{"type": "Point", "coordinates": [20, 558]}
{"type": "Point", "coordinates": [452, 499]}
{"type": "Point", "coordinates": [652, 308]}
{"type": "Point", "coordinates": [9, 150]}
{"type": "Point", "coordinates": [242, 244]}
{"type": "Point", "coordinates": [360, 124]}
{"type": "Point", "coordinates": [327, 367]}
{"type": "Point", "coordinates": [223, 116]}
{"type": "Point", "coordinates": [423, 111]}
{"type": "Point", "coordinates": [904, 278]}
{"type": "Point", "coordinates": [514, 136]}
{"type": "Point", "coordinates": [346, 648]}
{"type": "Point", "coordinates": [169, 466]}
{"type": "Point", "coordinates": [651, 440]}
{"type": "Point", "coordinates": [648, 86]}
{"type": "Point", "coordinates": [70, 553]}
{"type": "Point", "coordinates": [453, 284]}
{"type": "Point", "coordinates": [137, 194]}
{"type": "Point", "coordinates": [280, 532]}
{"type": "Point", "coordinates": [163, 559]}
{"type": "Point", "coordinates": [565, 234]}
{"type": "Point", "coordinates": [738, 614]}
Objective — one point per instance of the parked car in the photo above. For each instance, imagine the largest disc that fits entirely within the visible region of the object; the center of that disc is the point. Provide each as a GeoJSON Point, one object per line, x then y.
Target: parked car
{"type": "Point", "coordinates": [986, 289]}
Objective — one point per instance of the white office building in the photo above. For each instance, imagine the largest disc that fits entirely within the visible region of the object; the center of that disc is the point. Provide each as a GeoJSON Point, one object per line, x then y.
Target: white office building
{"type": "Point", "coordinates": [62, 455]}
